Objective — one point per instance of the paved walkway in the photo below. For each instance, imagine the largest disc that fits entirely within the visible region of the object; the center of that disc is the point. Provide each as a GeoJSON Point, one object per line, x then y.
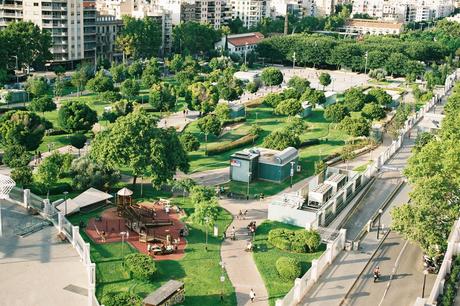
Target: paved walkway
{"type": "Point", "coordinates": [240, 265]}
{"type": "Point", "coordinates": [38, 269]}
{"type": "Point", "coordinates": [178, 120]}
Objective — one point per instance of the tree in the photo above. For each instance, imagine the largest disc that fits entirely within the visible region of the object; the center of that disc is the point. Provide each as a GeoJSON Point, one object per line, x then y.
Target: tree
{"type": "Point", "coordinates": [130, 89]}
{"type": "Point", "coordinates": [255, 129]}
{"type": "Point", "coordinates": [288, 107]}
{"type": "Point", "coordinates": [320, 166]}
{"type": "Point", "coordinates": [422, 139]}
{"type": "Point", "coordinates": [22, 128]}
{"type": "Point", "coordinates": [373, 111]}
{"type": "Point", "coordinates": [355, 126]}
{"type": "Point", "coordinates": [252, 87]}
{"type": "Point", "coordinates": [296, 124]}
{"type": "Point", "coordinates": [59, 87]}
{"type": "Point", "coordinates": [325, 79]}
{"type": "Point", "coordinates": [37, 87]}
{"type": "Point", "coordinates": [205, 204]}
{"type": "Point", "coordinates": [100, 83]}
{"type": "Point", "coordinates": [273, 99]}
{"type": "Point", "coordinates": [42, 104]}
{"type": "Point", "coordinates": [151, 74]}
{"type": "Point", "coordinates": [78, 140]}
{"type": "Point", "coordinates": [396, 64]}
{"type": "Point", "coordinates": [135, 69]}
{"type": "Point", "coordinates": [119, 73]}
{"type": "Point", "coordinates": [86, 173]}
{"type": "Point", "coordinates": [379, 96]}
{"type": "Point", "coordinates": [185, 186]}
{"type": "Point", "coordinates": [76, 116]}
{"type": "Point", "coordinates": [176, 63]}
{"type": "Point", "coordinates": [22, 176]}
{"type": "Point", "coordinates": [189, 142]}
{"type": "Point", "coordinates": [281, 139]}
{"type": "Point", "coordinates": [161, 97]}
{"type": "Point", "coordinates": [222, 111]}
{"type": "Point", "coordinates": [272, 76]}
{"type": "Point", "coordinates": [135, 142]}
{"type": "Point", "coordinates": [16, 156]}
{"type": "Point", "coordinates": [48, 173]}
{"type": "Point", "coordinates": [314, 97]}
{"type": "Point", "coordinates": [210, 124]}
{"type": "Point", "coordinates": [203, 97]}
{"type": "Point", "coordinates": [79, 79]}
{"type": "Point", "coordinates": [347, 154]}
{"type": "Point", "coordinates": [193, 38]}
{"type": "Point", "coordinates": [354, 99]}
{"type": "Point", "coordinates": [300, 85]}
{"type": "Point", "coordinates": [336, 112]}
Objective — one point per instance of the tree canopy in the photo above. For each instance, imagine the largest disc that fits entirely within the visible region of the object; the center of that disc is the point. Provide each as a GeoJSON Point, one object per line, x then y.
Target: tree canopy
{"type": "Point", "coordinates": [76, 116]}
{"type": "Point", "coordinates": [193, 38]}
{"type": "Point", "coordinates": [22, 128]}
{"type": "Point", "coordinates": [271, 76]}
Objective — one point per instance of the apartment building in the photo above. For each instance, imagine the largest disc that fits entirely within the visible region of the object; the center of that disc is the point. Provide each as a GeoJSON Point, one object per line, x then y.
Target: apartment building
{"type": "Point", "coordinates": [405, 10]}
{"type": "Point", "coordinates": [107, 29]}
{"type": "Point", "coordinates": [71, 23]}
{"type": "Point", "coordinates": [373, 27]}
{"type": "Point", "coordinates": [250, 11]}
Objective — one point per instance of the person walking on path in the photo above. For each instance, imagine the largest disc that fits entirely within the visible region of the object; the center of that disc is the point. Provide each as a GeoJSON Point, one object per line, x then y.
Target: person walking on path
{"type": "Point", "coordinates": [252, 295]}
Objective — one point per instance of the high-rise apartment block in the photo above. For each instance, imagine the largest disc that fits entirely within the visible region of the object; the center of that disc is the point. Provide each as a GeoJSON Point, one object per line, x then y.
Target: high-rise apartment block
{"type": "Point", "coordinates": [405, 10]}
{"type": "Point", "coordinates": [71, 23]}
{"type": "Point", "coordinates": [250, 11]}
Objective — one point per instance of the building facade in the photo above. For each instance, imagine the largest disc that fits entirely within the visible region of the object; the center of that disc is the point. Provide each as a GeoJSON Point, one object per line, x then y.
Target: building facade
{"type": "Point", "coordinates": [107, 29]}
{"type": "Point", "coordinates": [250, 11]}
{"type": "Point", "coordinates": [373, 27]}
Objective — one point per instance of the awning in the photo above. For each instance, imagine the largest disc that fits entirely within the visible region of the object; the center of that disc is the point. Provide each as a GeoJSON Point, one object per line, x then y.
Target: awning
{"type": "Point", "coordinates": [87, 198]}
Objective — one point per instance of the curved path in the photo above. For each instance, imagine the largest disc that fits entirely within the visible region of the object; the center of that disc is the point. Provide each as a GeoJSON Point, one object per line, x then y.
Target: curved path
{"type": "Point", "coordinates": [240, 266]}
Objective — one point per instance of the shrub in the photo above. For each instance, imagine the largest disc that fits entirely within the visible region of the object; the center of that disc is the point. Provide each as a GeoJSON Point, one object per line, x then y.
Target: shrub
{"type": "Point", "coordinates": [288, 268]}
{"type": "Point", "coordinates": [121, 299]}
{"type": "Point", "coordinates": [288, 107]}
{"type": "Point", "coordinates": [273, 99]}
{"type": "Point", "coordinates": [301, 241]}
{"type": "Point", "coordinates": [281, 139]}
{"type": "Point", "coordinates": [309, 142]}
{"type": "Point", "coordinates": [56, 189]}
{"type": "Point", "coordinates": [232, 145]}
{"type": "Point", "coordinates": [141, 266]}
{"type": "Point", "coordinates": [189, 142]}
{"type": "Point", "coordinates": [233, 120]}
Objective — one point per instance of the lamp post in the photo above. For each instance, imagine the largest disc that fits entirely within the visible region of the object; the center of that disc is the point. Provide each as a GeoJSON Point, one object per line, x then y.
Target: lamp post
{"type": "Point", "coordinates": [378, 227]}
{"type": "Point", "coordinates": [292, 171]}
{"type": "Point", "coordinates": [123, 234]}
{"type": "Point", "coordinates": [365, 65]}
{"type": "Point", "coordinates": [293, 60]}
{"type": "Point", "coordinates": [425, 273]}
{"type": "Point", "coordinates": [16, 68]}
{"type": "Point", "coordinates": [65, 202]}
{"type": "Point", "coordinates": [249, 180]}
{"type": "Point", "coordinates": [206, 143]}
{"type": "Point", "coordinates": [222, 280]}
{"type": "Point", "coordinates": [206, 220]}
{"type": "Point", "coordinates": [245, 52]}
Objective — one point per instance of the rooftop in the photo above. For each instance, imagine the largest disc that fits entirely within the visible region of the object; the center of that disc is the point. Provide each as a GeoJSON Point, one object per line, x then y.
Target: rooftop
{"type": "Point", "coordinates": [322, 188]}
{"type": "Point", "coordinates": [335, 178]}
{"type": "Point", "coordinates": [239, 40]}
{"type": "Point", "coordinates": [370, 23]}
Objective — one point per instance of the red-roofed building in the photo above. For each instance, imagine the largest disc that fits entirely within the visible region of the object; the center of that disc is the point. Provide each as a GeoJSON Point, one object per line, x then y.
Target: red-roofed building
{"type": "Point", "coordinates": [239, 43]}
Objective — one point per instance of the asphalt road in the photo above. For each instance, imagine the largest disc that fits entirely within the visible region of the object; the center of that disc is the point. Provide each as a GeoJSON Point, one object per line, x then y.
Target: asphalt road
{"type": "Point", "coordinates": [401, 283]}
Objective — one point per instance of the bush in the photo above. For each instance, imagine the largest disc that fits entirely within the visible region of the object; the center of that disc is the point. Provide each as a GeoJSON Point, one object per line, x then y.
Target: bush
{"type": "Point", "coordinates": [121, 299]}
{"type": "Point", "coordinates": [309, 142]}
{"type": "Point", "coordinates": [233, 120]}
{"type": "Point", "coordinates": [288, 268]}
{"type": "Point", "coordinates": [232, 145]}
{"type": "Point", "coordinates": [301, 241]}
{"type": "Point", "coordinates": [281, 139]}
{"type": "Point", "coordinates": [56, 189]}
{"type": "Point", "coordinates": [54, 132]}
{"type": "Point", "coordinates": [141, 266]}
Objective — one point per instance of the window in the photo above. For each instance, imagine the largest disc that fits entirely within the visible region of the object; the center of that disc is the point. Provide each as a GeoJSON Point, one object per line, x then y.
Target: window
{"type": "Point", "coordinates": [35, 3]}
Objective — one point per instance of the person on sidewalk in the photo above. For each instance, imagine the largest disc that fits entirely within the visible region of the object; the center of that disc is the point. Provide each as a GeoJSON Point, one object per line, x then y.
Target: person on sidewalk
{"type": "Point", "coordinates": [252, 295]}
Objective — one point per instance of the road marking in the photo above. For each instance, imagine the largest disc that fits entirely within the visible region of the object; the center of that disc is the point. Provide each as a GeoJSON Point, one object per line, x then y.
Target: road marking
{"type": "Point", "coordinates": [395, 267]}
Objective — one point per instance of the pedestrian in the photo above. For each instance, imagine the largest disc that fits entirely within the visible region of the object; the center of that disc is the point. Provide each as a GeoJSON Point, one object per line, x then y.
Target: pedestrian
{"type": "Point", "coordinates": [252, 295]}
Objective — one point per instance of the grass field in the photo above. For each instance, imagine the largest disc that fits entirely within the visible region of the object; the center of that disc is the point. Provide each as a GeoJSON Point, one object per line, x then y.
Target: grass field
{"type": "Point", "coordinates": [265, 256]}
{"type": "Point", "coordinates": [199, 270]}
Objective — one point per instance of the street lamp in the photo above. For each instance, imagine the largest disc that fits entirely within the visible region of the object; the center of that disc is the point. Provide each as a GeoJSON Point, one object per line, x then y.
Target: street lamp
{"type": "Point", "coordinates": [65, 202]}
{"type": "Point", "coordinates": [293, 60]}
{"type": "Point", "coordinates": [206, 220]}
{"type": "Point", "coordinates": [425, 273]}
{"type": "Point", "coordinates": [292, 171]}
{"type": "Point", "coordinates": [222, 280]}
{"type": "Point", "coordinates": [249, 180]}
{"type": "Point", "coordinates": [245, 53]}
{"type": "Point", "coordinates": [123, 234]}
{"type": "Point", "coordinates": [365, 65]}
{"type": "Point", "coordinates": [378, 228]}
{"type": "Point", "coordinates": [206, 143]}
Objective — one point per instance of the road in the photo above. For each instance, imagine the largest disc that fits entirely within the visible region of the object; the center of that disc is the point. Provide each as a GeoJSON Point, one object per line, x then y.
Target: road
{"type": "Point", "coordinates": [401, 266]}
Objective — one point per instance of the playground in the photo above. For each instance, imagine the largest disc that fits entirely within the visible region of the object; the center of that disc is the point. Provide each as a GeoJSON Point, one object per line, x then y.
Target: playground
{"type": "Point", "coordinates": [153, 228]}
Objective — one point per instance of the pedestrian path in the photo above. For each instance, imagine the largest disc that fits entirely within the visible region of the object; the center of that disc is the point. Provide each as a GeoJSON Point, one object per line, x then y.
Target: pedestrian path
{"type": "Point", "coordinates": [239, 264]}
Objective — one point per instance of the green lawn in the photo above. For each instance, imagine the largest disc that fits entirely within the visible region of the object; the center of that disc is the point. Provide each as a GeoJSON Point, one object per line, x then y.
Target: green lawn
{"type": "Point", "coordinates": [200, 270]}
{"type": "Point", "coordinates": [265, 256]}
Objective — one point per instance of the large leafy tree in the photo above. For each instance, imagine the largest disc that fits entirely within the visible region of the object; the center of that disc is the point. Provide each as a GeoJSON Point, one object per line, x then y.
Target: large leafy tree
{"type": "Point", "coordinates": [193, 37]}
{"type": "Point", "coordinates": [379, 96]}
{"type": "Point", "coordinates": [152, 73]}
{"type": "Point", "coordinates": [204, 97]}
{"type": "Point", "coordinates": [288, 107]}
{"type": "Point", "coordinates": [16, 156]}
{"type": "Point", "coordinates": [76, 116]}
{"type": "Point", "coordinates": [373, 111]}
{"type": "Point", "coordinates": [100, 83]}
{"type": "Point", "coordinates": [189, 142]}
{"type": "Point", "coordinates": [130, 89]}
{"type": "Point", "coordinates": [336, 112]}
{"type": "Point", "coordinates": [325, 79]}
{"type": "Point", "coordinates": [354, 99]}
{"type": "Point", "coordinates": [281, 139]}
{"type": "Point", "coordinates": [271, 76]}
{"type": "Point", "coordinates": [300, 85]}
{"type": "Point", "coordinates": [135, 142]}
{"type": "Point", "coordinates": [355, 126]}
{"type": "Point", "coordinates": [37, 87]}
{"type": "Point", "coordinates": [140, 38]}
{"type": "Point", "coordinates": [42, 104]}
{"type": "Point", "coordinates": [161, 97]}
{"type": "Point", "coordinates": [210, 124]}
{"type": "Point", "coordinates": [86, 173]}
{"type": "Point", "coordinates": [22, 128]}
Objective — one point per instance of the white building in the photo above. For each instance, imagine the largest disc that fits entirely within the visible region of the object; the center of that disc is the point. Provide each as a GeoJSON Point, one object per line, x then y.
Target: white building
{"type": "Point", "coordinates": [240, 43]}
{"type": "Point", "coordinates": [250, 11]}
{"type": "Point", "coordinates": [405, 10]}
{"type": "Point", "coordinates": [71, 23]}
{"type": "Point", "coordinates": [374, 27]}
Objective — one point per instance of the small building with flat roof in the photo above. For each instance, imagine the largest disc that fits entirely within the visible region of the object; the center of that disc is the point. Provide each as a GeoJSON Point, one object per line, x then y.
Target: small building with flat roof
{"type": "Point", "coordinates": [263, 164]}
{"type": "Point", "coordinates": [319, 195]}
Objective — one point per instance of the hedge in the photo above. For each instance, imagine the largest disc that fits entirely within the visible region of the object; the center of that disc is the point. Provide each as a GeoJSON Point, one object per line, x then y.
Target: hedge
{"type": "Point", "coordinates": [302, 241]}
{"type": "Point", "coordinates": [58, 188]}
{"type": "Point", "coordinates": [232, 145]}
{"type": "Point", "coordinates": [233, 120]}
{"type": "Point", "coordinates": [121, 299]}
{"type": "Point", "coordinates": [309, 142]}
{"type": "Point", "coordinates": [52, 132]}
{"type": "Point", "coordinates": [141, 266]}
{"type": "Point", "coordinates": [288, 268]}
{"type": "Point", "coordinates": [450, 286]}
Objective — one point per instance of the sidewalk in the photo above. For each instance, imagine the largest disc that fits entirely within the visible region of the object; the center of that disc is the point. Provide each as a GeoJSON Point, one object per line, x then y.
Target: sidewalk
{"type": "Point", "coordinates": [240, 266]}
{"type": "Point", "coordinates": [178, 120]}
